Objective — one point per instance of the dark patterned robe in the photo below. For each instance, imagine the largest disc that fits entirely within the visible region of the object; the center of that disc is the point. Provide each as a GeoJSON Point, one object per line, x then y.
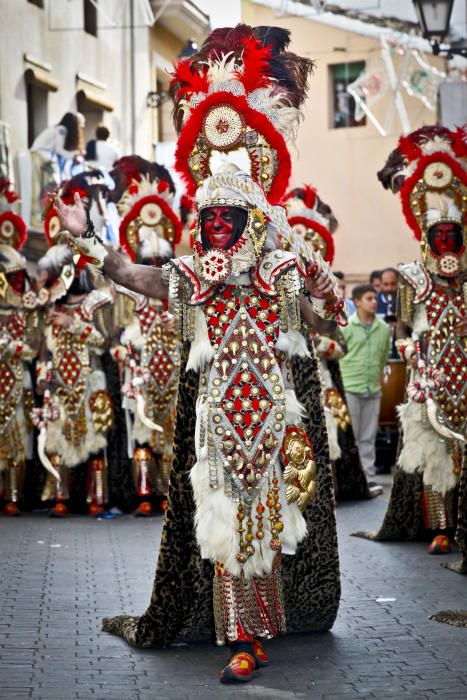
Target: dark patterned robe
{"type": "Point", "coordinates": [181, 602]}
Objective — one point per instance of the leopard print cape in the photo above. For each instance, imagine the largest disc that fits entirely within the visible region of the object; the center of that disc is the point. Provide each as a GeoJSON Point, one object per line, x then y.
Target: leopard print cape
{"type": "Point", "coordinates": [351, 482]}
{"type": "Point", "coordinates": [181, 602]}
{"type": "Point", "coordinates": [404, 515]}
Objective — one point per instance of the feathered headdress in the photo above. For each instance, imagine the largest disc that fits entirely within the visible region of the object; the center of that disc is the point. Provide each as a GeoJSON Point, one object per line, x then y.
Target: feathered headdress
{"type": "Point", "coordinates": [13, 230]}
{"type": "Point", "coordinates": [429, 160]}
{"type": "Point", "coordinates": [240, 94]}
{"type": "Point", "coordinates": [311, 219]}
{"type": "Point", "coordinates": [428, 169]}
{"type": "Point", "coordinates": [144, 196]}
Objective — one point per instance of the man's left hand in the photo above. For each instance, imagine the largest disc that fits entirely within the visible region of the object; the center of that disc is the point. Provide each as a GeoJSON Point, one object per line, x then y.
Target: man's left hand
{"type": "Point", "coordinates": [320, 285]}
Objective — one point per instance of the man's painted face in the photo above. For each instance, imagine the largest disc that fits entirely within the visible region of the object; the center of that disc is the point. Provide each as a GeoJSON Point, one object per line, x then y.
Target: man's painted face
{"type": "Point", "coordinates": [444, 238]}
{"type": "Point", "coordinates": [219, 226]}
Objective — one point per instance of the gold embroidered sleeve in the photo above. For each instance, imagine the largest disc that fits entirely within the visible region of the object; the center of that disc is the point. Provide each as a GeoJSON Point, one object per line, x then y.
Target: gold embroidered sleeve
{"type": "Point", "coordinates": [405, 302]}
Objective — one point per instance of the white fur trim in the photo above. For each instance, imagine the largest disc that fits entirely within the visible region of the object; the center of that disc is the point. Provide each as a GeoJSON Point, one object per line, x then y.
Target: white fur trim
{"type": "Point", "coordinates": [152, 244]}
{"type": "Point", "coordinates": [294, 410]}
{"type": "Point", "coordinates": [292, 343]}
{"type": "Point", "coordinates": [72, 456]}
{"type": "Point", "coordinates": [216, 526]}
{"type": "Point", "coordinates": [216, 514]}
{"type": "Point", "coordinates": [97, 381]}
{"type": "Point", "coordinates": [201, 350]}
{"type": "Point", "coordinates": [424, 450]}
{"type": "Point", "coordinates": [420, 324]}
{"type": "Point", "coordinates": [132, 335]}
{"type": "Point", "coordinates": [334, 448]}
{"type": "Point", "coordinates": [325, 374]}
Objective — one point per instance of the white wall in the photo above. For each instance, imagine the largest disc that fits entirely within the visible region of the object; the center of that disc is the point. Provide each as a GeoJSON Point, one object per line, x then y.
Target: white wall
{"type": "Point", "coordinates": [221, 12]}
{"type": "Point", "coordinates": [54, 35]}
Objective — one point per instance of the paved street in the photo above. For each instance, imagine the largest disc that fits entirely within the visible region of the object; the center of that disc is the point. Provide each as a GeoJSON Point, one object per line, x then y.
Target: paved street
{"type": "Point", "coordinates": [59, 578]}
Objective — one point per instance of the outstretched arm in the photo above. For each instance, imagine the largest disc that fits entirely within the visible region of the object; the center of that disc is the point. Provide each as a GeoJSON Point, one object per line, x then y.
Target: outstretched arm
{"type": "Point", "coordinates": [139, 278]}
{"type": "Point", "coordinates": [142, 279]}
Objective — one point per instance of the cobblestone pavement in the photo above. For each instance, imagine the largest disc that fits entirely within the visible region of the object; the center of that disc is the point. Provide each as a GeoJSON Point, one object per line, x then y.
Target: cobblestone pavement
{"type": "Point", "coordinates": [59, 578]}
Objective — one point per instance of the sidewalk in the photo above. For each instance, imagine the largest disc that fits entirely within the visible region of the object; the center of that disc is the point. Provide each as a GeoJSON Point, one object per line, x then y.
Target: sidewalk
{"type": "Point", "coordinates": [59, 578]}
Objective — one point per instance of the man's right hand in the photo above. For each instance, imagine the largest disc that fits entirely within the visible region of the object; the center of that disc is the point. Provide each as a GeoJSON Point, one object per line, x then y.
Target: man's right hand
{"type": "Point", "coordinates": [72, 216]}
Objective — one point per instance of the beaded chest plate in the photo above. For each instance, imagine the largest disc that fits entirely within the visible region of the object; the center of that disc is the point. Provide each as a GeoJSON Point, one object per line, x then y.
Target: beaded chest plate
{"type": "Point", "coordinates": [245, 389]}
{"type": "Point", "coordinates": [446, 351]}
{"type": "Point", "coordinates": [11, 371]}
{"type": "Point", "coordinates": [160, 355]}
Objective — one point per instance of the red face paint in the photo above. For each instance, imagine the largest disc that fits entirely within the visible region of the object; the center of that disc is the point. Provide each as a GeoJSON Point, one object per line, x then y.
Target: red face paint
{"type": "Point", "coordinates": [218, 226]}
{"type": "Point", "coordinates": [17, 281]}
{"type": "Point", "coordinates": [444, 239]}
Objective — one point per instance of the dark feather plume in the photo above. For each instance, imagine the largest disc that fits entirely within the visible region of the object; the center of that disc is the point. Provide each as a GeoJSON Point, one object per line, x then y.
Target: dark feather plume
{"type": "Point", "coordinates": [289, 71]}
{"type": "Point", "coordinates": [394, 163]}
{"type": "Point", "coordinates": [409, 149]}
{"type": "Point", "coordinates": [131, 168]}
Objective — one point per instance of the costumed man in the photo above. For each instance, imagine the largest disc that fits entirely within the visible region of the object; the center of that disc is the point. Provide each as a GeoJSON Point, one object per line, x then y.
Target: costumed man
{"type": "Point", "coordinates": [77, 412]}
{"type": "Point", "coordinates": [148, 350]}
{"type": "Point", "coordinates": [312, 219]}
{"type": "Point", "coordinates": [429, 494]}
{"type": "Point", "coordinates": [243, 461]}
{"type": "Point", "coordinates": [18, 347]}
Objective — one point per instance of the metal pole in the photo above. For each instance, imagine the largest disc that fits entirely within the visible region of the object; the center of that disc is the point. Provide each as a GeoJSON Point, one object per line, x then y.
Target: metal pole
{"type": "Point", "coordinates": [132, 76]}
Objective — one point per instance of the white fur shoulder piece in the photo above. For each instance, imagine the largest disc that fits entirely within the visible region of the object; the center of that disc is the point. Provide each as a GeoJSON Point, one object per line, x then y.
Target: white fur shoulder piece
{"type": "Point", "coordinates": [139, 299]}
{"type": "Point", "coordinates": [94, 300]}
{"type": "Point", "coordinates": [201, 350]}
{"type": "Point", "coordinates": [418, 277]}
{"type": "Point", "coordinates": [273, 264]}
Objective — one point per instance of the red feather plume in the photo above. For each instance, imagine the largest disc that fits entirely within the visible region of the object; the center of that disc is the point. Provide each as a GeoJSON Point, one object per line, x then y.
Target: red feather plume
{"type": "Point", "coordinates": [409, 148]}
{"type": "Point", "coordinates": [20, 226]}
{"type": "Point", "coordinates": [188, 81]}
{"type": "Point", "coordinates": [68, 195]}
{"type": "Point", "coordinates": [459, 141]}
{"type": "Point", "coordinates": [309, 196]}
{"type": "Point", "coordinates": [255, 65]}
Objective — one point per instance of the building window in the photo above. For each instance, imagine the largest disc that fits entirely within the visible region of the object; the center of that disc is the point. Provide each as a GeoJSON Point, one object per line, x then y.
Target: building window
{"type": "Point", "coordinates": [90, 17]}
{"type": "Point", "coordinates": [37, 106]}
{"type": "Point", "coordinates": [343, 104]}
{"type": "Point", "coordinates": [37, 3]}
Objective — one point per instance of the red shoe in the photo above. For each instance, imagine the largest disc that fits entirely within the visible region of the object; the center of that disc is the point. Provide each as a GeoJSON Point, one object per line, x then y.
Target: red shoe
{"type": "Point", "coordinates": [144, 510]}
{"type": "Point", "coordinates": [58, 511]}
{"type": "Point", "coordinates": [440, 545]}
{"type": "Point", "coordinates": [261, 658]}
{"type": "Point", "coordinates": [95, 510]}
{"type": "Point", "coordinates": [11, 509]}
{"type": "Point", "coordinates": [240, 669]}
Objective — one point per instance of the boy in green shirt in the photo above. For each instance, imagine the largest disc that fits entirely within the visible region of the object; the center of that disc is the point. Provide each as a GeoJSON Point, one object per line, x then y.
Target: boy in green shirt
{"type": "Point", "coordinates": [367, 339]}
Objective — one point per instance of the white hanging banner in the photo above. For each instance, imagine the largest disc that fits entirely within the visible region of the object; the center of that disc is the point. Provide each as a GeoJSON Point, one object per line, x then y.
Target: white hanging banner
{"type": "Point", "coordinates": [367, 90]}
{"type": "Point", "coordinates": [422, 80]}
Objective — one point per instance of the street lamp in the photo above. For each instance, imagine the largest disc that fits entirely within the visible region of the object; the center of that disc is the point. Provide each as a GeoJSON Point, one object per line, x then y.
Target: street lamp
{"type": "Point", "coordinates": [434, 17]}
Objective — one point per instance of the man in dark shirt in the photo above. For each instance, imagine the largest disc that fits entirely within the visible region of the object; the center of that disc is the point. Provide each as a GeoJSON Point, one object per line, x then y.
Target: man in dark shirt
{"type": "Point", "coordinates": [388, 293]}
